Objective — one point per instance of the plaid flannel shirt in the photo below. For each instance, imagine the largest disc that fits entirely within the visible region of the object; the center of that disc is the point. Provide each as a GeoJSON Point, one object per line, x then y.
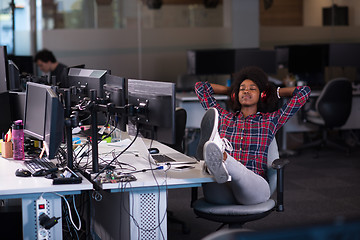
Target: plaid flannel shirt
{"type": "Point", "coordinates": [251, 136]}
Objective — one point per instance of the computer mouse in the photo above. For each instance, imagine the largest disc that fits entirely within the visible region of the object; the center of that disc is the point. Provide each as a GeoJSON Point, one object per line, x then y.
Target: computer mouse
{"type": "Point", "coordinates": [51, 176]}
{"type": "Point", "coordinates": [153, 150]}
{"type": "Point", "coordinates": [40, 173]}
{"type": "Point", "coordinates": [22, 173]}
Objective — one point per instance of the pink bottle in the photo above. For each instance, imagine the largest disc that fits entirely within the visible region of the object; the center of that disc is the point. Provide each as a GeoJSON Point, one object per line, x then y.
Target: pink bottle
{"type": "Point", "coordinates": [18, 140]}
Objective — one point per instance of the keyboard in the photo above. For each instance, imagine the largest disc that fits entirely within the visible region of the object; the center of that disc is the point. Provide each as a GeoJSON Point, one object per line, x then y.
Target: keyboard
{"type": "Point", "coordinates": [37, 164]}
{"type": "Point", "coordinates": [161, 158]}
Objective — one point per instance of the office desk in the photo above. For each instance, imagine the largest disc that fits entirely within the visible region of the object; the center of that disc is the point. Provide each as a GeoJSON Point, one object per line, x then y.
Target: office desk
{"type": "Point", "coordinates": [29, 189]}
{"type": "Point", "coordinates": [295, 124]}
{"type": "Point", "coordinates": [137, 210]}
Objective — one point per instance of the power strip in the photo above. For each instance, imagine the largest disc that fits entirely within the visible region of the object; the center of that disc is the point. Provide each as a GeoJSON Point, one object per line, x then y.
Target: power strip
{"type": "Point", "coordinates": [41, 207]}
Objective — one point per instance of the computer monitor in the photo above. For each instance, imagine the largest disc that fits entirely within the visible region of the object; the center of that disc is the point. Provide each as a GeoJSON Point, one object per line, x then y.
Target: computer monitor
{"type": "Point", "coordinates": [44, 117]}
{"type": "Point", "coordinates": [84, 80]}
{"type": "Point", "coordinates": [210, 61]}
{"type": "Point", "coordinates": [24, 63]}
{"type": "Point", "coordinates": [308, 58]}
{"type": "Point", "coordinates": [344, 55]}
{"type": "Point", "coordinates": [5, 112]}
{"type": "Point", "coordinates": [264, 59]}
{"type": "Point", "coordinates": [282, 56]}
{"type": "Point", "coordinates": [115, 92]}
{"type": "Point", "coordinates": [76, 66]}
{"type": "Point", "coordinates": [308, 63]}
{"type": "Point", "coordinates": [3, 69]}
{"type": "Point", "coordinates": [54, 123]}
{"type": "Point", "coordinates": [14, 83]}
{"type": "Point", "coordinates": [17, 105]}
{"type": "Point", "coordinates": [154, 104]}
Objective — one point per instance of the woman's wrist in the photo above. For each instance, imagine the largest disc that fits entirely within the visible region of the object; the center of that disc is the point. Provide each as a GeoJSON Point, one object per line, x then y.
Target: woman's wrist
{"type": "Point", "coordinates": [285, 92]}
{"type": "Point", "coordinates": [220, 89]}
{"type": "Point", "coordinates": [278, 92]}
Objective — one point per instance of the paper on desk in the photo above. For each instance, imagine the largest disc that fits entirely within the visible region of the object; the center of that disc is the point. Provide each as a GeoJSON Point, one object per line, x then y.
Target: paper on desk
{"type": "Point", "coordinates": [116, 148]}
{"type": "Point", "coordinates": [123, 143]}
{"type": "Point", "coordinates": [143, 150]}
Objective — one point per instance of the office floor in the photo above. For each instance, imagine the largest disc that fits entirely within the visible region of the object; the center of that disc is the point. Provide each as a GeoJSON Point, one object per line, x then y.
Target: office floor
{"type": "Point", "coordinates": [319, 189]}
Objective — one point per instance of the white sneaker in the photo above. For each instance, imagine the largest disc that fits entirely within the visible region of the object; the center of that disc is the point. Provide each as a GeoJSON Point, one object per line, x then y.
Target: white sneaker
{"type": "Point", "coordinates": [214, 162]}
{"type": "Point", "coordinates": [209, 132]}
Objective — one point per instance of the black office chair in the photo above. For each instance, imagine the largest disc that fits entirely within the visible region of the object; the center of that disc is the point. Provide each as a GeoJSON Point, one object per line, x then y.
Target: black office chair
{"type": "Point", "coordinates": [236, 215]}
{"type": "Point", "coordinates": [179, 145]}
{"type": "Point", "coordinates": [332, 109]}
{"type": "Point", "coordinates": [180, 126]}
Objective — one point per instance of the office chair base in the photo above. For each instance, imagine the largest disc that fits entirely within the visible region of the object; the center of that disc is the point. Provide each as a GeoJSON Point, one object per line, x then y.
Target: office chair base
{"type": "Point", "coordinates": [325, 142]}
{"type": "Point", "coordinates": [321, 144]}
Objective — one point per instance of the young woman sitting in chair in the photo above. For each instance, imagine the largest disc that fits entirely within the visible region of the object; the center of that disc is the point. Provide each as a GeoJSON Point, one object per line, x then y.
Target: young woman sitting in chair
{"type": "Point", "coordinates": [235, 144]}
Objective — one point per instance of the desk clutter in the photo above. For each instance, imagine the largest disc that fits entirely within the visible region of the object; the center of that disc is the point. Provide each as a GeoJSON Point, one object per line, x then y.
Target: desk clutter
{"type": "Point", "coordinates": [56, 154]}
{"type": "Point", "coordinates": [114, 177]}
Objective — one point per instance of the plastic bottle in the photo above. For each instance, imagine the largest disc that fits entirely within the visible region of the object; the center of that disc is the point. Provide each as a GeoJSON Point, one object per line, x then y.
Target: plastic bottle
{"type": "Point", "coordinates": [18, 140]}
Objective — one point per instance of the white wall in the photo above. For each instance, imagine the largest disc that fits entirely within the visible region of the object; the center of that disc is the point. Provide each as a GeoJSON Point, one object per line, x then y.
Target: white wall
{"type": "Point", "coordinates": [163, 51]}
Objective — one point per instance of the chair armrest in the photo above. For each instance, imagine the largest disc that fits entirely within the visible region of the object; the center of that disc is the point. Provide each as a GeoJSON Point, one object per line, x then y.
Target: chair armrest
{"type": "Point", "coordinates": [279, 165]}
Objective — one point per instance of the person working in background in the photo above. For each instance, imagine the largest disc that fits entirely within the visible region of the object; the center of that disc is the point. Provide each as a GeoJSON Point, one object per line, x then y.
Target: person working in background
{"type": "Point", "coordinates": [245, 133]}
{"type": "Point", "coordinates": [48, 64]}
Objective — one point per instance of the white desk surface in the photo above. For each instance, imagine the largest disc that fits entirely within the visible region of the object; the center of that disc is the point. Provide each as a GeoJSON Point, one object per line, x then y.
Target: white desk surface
{"type": "Point", "coordinates": [11, 185]}
{"type": "Point", "coordinates": [173, 178]}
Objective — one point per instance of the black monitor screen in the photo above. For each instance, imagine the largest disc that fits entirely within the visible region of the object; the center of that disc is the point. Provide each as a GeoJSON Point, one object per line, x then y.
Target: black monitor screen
{"type": "Point", "coordinates": [3, 69]}
{"type": "Point", "coordinates": [5, 112]}
{"type": "Point", "coordinates": [115, 89]}
{"type": "Point", "coordinates": [54, 123]}
{"type": "Point", "coordinates": [308, 58]}
{"type": "Point", "coordinates": [24, 63]}
{"type": "Point", "coordinates": [44, 116]}
{"type": "Point", "coordinates": [308, 62]}
{"type": "Point", "coordinates": [211, 61]}
{"type": "Point", "coordinates": [115, 92]}
{"type": "Point", "coordinates": [264, 59]}
{"type": "Point", "coordinates": [14, 83]}
{"type": "Point", "coordinates": [344, 55]}
{"type": "Point", "coordinates": [155, 109]}
{"type": "Point", "coordinates": [282, 56]}
{"type": "Point", "coordinates": [35, 109]}
{"type": "Point", "coordinates": [17, 105]}
{"type": "Point", "coordinates": [84, 80]}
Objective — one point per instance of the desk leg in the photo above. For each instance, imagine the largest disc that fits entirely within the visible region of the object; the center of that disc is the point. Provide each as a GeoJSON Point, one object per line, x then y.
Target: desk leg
{"type": "Point", "coordinates": [29, 216]}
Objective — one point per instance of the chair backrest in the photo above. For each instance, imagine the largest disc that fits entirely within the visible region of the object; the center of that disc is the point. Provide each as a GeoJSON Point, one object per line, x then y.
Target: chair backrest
{"type": "Point", "coordinates": [273, 154]}
{"type": "Point", "coordinates": [334, 102]}
{"type": "Point", "coordinates": [180, 125]}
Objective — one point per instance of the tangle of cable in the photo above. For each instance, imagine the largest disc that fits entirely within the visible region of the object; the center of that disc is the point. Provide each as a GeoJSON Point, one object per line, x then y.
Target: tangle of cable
{"type": "Point", "coordinates": [102, 170]}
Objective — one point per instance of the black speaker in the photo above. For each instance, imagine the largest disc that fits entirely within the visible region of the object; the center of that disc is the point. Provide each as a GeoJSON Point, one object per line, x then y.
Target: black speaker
{"type": "Point", "coordinates": [335, 15]}
{"type": "Point", "coordinates": [211, 3]}
{"type": "Point", "coordinates": [153, 4]}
